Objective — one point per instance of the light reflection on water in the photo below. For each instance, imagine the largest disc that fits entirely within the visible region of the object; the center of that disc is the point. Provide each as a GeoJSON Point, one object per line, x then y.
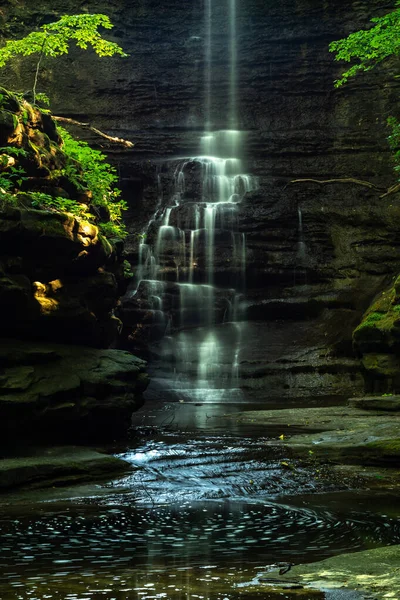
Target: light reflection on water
{"type": "Point", "coordinates": [199, 518]}
{"type": "Point", "coordinates": [96, 551]}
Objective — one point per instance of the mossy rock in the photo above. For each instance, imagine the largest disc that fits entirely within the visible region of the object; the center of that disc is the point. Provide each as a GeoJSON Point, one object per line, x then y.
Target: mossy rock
{"type": "Point", "coordinates": [63, 465]}
{"type": "Point", "coordinates": [383, 365]}
{"type": "Point", "coordinates": [386, 402]}
{"type": "Point", "coordinates": [8, 124]}
{"type": "Point", "coordinates": [9, 101]}
{"type": "Point", "coordinates": [385, 448]}
{"type": "Point", "coordinates": [50, 224]}
{"type": "Point", "coordinates": [379, 329]}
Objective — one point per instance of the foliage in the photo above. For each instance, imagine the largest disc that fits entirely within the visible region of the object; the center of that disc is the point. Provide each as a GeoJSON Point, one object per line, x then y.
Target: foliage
{"type": "Point", "coordinates": [43, 98]}
{"type": "Point", "coordinates": [59, 204]}
{"type": "Point", "coordinates": [87, 169]}
{"type": "Point", "coordinates": [54, 40]}
{"type": "Point", "coordinates": [128, 273]}
{"type": "Point", "coordinates": [369, 47]}
{"type": "Point", "coordinates": [11, 175]}
{"type": "Point", "coordinates": [114, 229]}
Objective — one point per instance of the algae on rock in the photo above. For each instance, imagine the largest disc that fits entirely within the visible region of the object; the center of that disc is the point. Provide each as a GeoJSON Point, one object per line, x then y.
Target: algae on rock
{"type": "Point", "coordinates": [377, 341]}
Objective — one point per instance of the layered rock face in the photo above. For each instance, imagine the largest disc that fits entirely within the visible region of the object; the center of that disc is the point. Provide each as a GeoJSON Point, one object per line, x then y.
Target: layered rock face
{"type": "Point", "coordinates": [60, 281]}
{"type": "Point", "coordinates": [59, 393]}
{"type": "Point", "coordinates": [316, 255]}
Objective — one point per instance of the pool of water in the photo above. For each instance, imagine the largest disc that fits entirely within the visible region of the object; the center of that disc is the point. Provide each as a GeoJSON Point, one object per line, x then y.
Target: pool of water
{"type": "Point", "coordinates": [208, 513]}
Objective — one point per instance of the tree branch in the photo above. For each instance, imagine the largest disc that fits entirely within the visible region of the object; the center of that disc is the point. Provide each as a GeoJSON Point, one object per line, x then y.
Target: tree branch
{"type": "Point", "coordinates": [391, 190]}
{"type": "Point", "coordinates": [343, 180]}
{"type": "Point", "coordinates": [114, 140]}
{"type": "Point", "coordinates": [38, 69]}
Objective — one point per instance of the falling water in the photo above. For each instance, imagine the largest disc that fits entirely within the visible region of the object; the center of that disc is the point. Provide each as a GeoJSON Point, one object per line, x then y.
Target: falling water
{"type": "Point", "coordinates": [194, 272]}
{"type": "Point", "coordinates": [301, 245]}
{"type": "Point", "coordinates": [233, 66]}
{"type": "Point", "coordinates": [208, 63]}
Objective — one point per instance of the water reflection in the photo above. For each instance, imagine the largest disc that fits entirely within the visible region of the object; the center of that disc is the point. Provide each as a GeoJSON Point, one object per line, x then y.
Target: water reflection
{"type": "Point", "coordinates": [199, 518]}
{"type": "Point", "coordinates": [98, 550]}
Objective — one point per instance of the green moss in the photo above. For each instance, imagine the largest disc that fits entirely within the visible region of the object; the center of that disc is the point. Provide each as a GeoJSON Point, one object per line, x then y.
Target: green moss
{"type": "Point", "coordinates": [8, 121]}
{"type": "Point", "coordinates": [72, 175]}
{"type": "Point", "coordinates": [382, 365]}
{"type": "Point", "coordinates": [381, 319]}
{"type": "Point", "coordinates": [372, 318]}
{"type": "Point", "coordinates": [386, 447]}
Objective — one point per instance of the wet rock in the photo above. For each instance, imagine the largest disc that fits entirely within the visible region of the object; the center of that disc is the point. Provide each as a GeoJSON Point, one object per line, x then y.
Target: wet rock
{"type": "Point", "coordinates": [361, 574]}
{"type": "Point", "coordinates": [386, 402]}
{"type": "Point", "coordinates": [67, 393]}
{"type": "Point", "coordinates": [343, 435]}
{"type": "Point", "coordinates": [53, 284]}
{"type": "Point", "coordinates": [45, 467]}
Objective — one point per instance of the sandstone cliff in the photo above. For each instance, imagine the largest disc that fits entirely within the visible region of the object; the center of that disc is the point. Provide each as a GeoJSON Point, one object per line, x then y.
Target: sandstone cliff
{"type": "Point", "coordinates": [60, 282]}
{"type": "Point", "coordinates": [306, 304]}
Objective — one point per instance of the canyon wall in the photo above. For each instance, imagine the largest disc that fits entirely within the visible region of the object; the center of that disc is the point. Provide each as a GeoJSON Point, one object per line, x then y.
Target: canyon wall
{"type": "Point", "coordinates": [316, 255]}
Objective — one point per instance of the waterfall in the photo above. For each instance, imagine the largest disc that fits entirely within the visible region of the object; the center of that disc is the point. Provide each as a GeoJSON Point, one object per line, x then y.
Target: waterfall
{"type": "Point", "coordinates": [301, 245]}
{"type": "Point", "coordinates": [233, 66]}
{"type": "Point", "coordinates": [192, 275]}
{"type": "Point", "coordinates": [207, 64]}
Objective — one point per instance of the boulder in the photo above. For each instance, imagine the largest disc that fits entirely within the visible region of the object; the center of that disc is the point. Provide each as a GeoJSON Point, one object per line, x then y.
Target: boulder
{"type": "Point", "coordinates": [57, 392]}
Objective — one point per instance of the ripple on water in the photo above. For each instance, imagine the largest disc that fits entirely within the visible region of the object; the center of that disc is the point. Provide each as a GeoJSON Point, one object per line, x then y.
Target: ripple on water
{"type": "Point", "coordinates": [100, 552]}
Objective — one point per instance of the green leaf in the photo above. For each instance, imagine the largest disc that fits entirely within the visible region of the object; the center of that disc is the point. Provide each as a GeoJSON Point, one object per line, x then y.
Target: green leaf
{"type": "Point", "coordinates": [369, 47]}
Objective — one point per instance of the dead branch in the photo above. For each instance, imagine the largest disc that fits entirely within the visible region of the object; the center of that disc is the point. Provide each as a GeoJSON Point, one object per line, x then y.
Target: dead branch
{"type": "Point", "coordinates": [341, 180]}
{"type": "Point", "coordinates": [391, 190]}
{"type": "Point", "coordinates": [114, 140]}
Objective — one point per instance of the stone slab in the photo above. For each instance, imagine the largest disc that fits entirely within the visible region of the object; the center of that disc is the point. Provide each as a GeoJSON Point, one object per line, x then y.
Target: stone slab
{"type": "Point", "coordinates": [58, 466]}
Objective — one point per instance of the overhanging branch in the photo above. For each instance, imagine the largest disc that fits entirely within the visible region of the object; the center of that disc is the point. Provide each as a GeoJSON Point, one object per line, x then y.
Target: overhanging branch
{"type": "Point", "coordinates": [367, 184]}
{"type": "Point", "coordinates": [109, 138]}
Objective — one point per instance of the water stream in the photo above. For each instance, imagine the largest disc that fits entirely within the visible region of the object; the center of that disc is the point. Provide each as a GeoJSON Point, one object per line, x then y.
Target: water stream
{"type": "Point", "coordinates": [208, 512]}
{"type": "Point", "coordinates": [193, 267]}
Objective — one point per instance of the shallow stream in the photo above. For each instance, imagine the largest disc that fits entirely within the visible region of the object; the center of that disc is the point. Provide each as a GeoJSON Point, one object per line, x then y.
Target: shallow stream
{"type": "Point", "coordinates": [211, 510]}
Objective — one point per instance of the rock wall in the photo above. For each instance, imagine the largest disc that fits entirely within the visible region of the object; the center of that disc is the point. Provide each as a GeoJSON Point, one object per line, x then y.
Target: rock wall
{"type": "Point", "coordinates": [317, 281]}
{"type": "Point", "coordinates": [60, 282]}
{"type": "Point", "coordinates": [63, 393]}
{"type": "Point", "coordinates": [59, 276]}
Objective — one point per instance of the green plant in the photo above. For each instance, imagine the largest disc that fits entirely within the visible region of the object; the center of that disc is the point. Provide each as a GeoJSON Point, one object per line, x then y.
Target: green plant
{"type": "Point", "coordinates": [369, 47]}
{"type": "Point", "coordinates": [373, 317]}
{"type": "Point", "coordinates": [58, 204]}
{"type": "Point", "coordinates": [43, 98]}
{"type": "Point", "coordinates": [88, 170]}
{"type": "Point", "coordinates": [113, 230]}
{"type": "Point", "coordinates": [11, 175]}
{"type": "Point", "coordinates": [54, 39]}
{"type": "Point", "coordinates": [128, 273]}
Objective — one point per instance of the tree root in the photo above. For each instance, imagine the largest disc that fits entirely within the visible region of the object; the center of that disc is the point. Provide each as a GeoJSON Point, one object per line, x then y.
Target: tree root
{"type": "Point", "coordinates": [113, 140]}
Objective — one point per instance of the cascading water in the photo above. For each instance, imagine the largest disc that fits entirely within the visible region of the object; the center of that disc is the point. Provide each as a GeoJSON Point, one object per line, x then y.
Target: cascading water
{"type": "Point", "coordinates": [194, 271]}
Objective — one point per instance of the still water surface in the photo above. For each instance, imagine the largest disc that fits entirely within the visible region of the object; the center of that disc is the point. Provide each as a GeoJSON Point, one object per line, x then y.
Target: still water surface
{"type": "Point", "coordinates": [210, 510]}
